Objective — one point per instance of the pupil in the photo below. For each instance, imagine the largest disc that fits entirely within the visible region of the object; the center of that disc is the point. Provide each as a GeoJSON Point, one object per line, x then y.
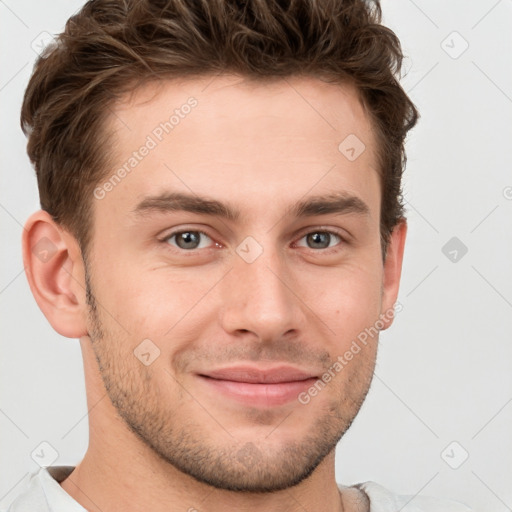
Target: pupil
{"type": "Point", "coordinates": [319, 238]}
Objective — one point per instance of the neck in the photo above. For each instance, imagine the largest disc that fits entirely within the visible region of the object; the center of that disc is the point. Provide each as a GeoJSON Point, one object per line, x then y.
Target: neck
{"type": "Point", "coordinates": [136, 482]}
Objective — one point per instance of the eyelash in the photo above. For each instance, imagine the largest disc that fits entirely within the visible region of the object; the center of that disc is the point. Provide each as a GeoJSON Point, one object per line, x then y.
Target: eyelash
{"type": "Point", "coordinates": [328, 250]}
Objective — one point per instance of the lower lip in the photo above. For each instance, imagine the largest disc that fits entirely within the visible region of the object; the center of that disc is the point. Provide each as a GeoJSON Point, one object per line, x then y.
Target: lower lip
{"type": "Point", "coordinates": [259, 395]}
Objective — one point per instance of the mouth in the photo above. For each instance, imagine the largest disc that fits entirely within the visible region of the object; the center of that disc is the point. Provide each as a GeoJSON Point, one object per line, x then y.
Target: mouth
{"type": "Point", "coordinates": [258, 387]}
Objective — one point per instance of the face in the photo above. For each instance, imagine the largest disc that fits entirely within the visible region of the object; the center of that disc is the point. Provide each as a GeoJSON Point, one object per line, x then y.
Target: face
{"type": "Point", "coordinates": [233, 263]}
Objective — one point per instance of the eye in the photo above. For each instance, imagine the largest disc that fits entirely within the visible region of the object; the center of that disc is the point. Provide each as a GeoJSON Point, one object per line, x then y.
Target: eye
{"type": "Point", "coordinates": [187, 239]}
{"type": "Point", "coordinates": [321, 239]}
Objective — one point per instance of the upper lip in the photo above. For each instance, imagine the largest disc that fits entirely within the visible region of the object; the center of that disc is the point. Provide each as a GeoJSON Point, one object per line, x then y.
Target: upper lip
{"type": "Point", "coordinates": [255, 375]}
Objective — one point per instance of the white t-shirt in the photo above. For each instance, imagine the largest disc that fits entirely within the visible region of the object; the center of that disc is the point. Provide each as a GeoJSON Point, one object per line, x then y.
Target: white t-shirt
{"type": "Point", "coordinates": [43, 493]}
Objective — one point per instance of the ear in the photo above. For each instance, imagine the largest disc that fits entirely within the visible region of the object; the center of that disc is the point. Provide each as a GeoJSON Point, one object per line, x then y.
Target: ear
{"type": "Point", "coordinates": [55, 272]}
{"type": "Point", "coordinates": [392, 272]}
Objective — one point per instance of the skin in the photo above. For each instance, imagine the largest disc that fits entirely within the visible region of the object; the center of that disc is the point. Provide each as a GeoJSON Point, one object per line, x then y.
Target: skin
{"type": "Point", "coordinates": [162, 438]}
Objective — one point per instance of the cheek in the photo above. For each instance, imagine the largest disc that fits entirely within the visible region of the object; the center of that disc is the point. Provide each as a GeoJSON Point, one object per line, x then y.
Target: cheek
{"type": "Point", "coordinates": [150, 303]}
{"type": "Point", "coordinates": [347, 300]}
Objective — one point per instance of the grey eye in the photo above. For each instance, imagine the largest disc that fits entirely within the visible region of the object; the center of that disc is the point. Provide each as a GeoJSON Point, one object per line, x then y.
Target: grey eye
{"type": "Point", "coordinates": [187, 240]}
{"type": "Point", "coordinates": [320, 239]}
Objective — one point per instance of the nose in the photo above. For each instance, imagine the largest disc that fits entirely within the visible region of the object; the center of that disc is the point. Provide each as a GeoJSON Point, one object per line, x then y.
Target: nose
{"type": "Point", "coordinates": [258, 297]}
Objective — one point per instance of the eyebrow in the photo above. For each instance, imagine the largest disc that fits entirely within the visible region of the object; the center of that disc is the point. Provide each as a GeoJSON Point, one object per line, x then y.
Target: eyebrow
{"type": "Point", "coordinates": [335, 203]}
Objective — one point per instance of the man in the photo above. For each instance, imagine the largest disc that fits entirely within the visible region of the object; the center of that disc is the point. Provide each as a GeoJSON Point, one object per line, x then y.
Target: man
{"type": "Point", "coordinates": [220, 224]}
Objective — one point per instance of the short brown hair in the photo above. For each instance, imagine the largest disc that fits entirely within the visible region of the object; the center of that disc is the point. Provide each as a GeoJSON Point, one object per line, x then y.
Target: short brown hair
{"type": "Point", "coordinates": [110, 47]}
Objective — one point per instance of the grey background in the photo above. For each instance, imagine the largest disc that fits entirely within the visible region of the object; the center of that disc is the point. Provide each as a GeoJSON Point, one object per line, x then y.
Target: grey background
{"type": "Point", "coordinates": [444, 368]}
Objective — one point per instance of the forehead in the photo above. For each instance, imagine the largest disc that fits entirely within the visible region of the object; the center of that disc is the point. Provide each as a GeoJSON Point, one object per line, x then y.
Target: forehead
{"type": "Point", "coordinates": [325, 108]}
{"type": "Point", "coordinates": [219, 135]}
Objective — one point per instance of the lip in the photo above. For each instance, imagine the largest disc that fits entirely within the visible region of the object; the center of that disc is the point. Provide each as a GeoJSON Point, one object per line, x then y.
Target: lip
{"type": "Point", "coordinates": [259, 387]}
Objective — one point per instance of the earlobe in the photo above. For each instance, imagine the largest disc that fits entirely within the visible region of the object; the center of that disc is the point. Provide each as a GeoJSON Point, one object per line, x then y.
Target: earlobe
{"type": "Point", "coordinates": [55, 272]}
{"type": "Point", "coordinates": [393, 272]}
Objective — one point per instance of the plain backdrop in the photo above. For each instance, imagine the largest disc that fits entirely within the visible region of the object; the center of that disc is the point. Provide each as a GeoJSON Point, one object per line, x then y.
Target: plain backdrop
{"type": "Point", "coordinates": [438, 418]}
